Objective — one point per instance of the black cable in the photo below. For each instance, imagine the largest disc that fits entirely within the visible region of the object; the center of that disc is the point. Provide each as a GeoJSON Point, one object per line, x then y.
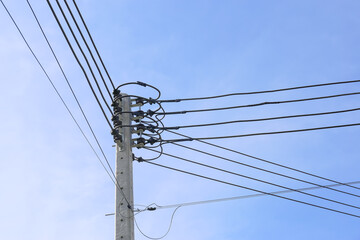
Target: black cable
{"type": "Point", "coordinates": [84, 55]}
{"type": "Point", "coordinates": [57, 92]}
{"type": "Point", "coordinates": [78, 61]}
{"type": "Point", "coordinates": [256, 179]}
{"type": "Point", "coordinates": [142, 84]}
{"type": "Point", "coordinates": [263, 133]}
{"type": "Point", "coordinates": [261, 104]}
{"type": "Point", "coordinates": [264, 160]}
{"type": "Point", "coordinates": [263, 119]}
{"type": "Point", "coordinates": [75, 97]}
{"type": "Point", "coordinates": [185, 204]}
{"type": "Point", "coordinates": [89, 50]}
{"type": "Point", "coordinates": [93, 43]}
{"type": "Point", "coordinates": [260, 92]}
{"type": "Point", "coordinates": [264, 170]}
{"type": "Point", "coordinates": [252, 189]}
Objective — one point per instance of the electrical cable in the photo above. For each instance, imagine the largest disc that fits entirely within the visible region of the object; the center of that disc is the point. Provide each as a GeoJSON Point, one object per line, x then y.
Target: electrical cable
{"type": "Point", "coordinates": [256, 179]}
{"type": "Point", "coordinates": [185, 204]}
{"type": "Point", "coordinates": [75, 97]}
{"type": "Point", "coordinates": [263, 133]}
{"type": "Point", "coordinates": [93, 43]}
{"type": "Point", "coordinates": [88, 48]}
{"type": "Point", "coordinates": [141, 84]}
{"type": "Point", "coordinates": [260, 104]}
{"type": "Point", "coordinates": [78, 61]}
{"type": "Point", "coordinates": [255, 190]}
{"type": "Point", "coordinates": [260, 92]}
{"type": "Point", "coordinates": [167, 232]}
{"type": "Point", "coordinates": [84, 56]}
{"type": "Point", "coordinates": [262, 119]}
{"type": "Point", "coordinates": [264, 160]}
{"type": "Point", "coordinates": [58, 93]}
{"type": "Point", "coordinates": [264, 170]}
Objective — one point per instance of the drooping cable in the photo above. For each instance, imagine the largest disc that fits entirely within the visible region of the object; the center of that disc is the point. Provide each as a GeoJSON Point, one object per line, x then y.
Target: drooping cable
{"type": "Point", "coordinates": [258, 180]}
{"type": "Point", "coordinates": [76, 99]}
{"type": "Point", "coordinates": [263, 119]}
{"type": "Point", "coordinates": [165, 234]}
{"type": "Point", "coordinates": [93, 43]}
{"type": "Point", "coordinates": [58, 94]}
{"type": "Point", "coordinates": [263, 133]}
{"type": "Point", "coordinates": [261, 104]}
{"type": "Point", "coordinates": [253, 189]}
{"type": "Point", "coordinates": [264, 160]}
{"type": "Point", "coordinates": [261, 92]}
{"type": "Point", "coordinates": [89, 50]}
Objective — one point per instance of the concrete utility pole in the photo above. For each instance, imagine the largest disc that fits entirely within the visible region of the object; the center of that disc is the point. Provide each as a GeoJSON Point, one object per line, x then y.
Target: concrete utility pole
{"type": "Point", "coordinates": [124, 221]}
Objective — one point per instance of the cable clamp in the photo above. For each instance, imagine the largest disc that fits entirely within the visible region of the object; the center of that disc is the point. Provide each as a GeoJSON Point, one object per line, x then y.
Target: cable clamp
{"type": "Point", "coordinates": [142, 84]}
{"type": "Point", "coordinates": [116, 93]}
{"type": "Point", "coordinates": [151, 128]}
{"type": "Point", "coordinates": [152, 101]}
{"type": "Point", "coordinates": [152, 140]}
{"type": "Point", "coordinates": [150, 113]}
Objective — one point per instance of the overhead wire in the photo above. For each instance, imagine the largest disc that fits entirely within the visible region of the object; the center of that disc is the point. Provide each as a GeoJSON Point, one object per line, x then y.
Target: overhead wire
{"type": "Point", "coordinates": [262, 133]}
{"type": "Point", "coordinates": [89, 50]}
{"type": "Point", "coordinates": [261, 104]}
{"type": "Point", "coordinates": [253, 189]}
{"type": "Point", "coordinates": [264, 170]}
{"type": "Point", "coordinates": [93, 43]}
{"type": "Point", "coordinates": [261, 119]}
{"type": "Point", "coordinates": [84, 56]}
{"type": "Point", "coordinates": [263, 160]}
{"type": "Point", "coordinates": [260, 92]}
{"type": "Point", "coordinates": [81, 66]}
{"type": "Point", "coordinates": [258, 180]}
{"type": "Point", "coordinates": [58, 93]}
{"type": "Point", "coordinates": [75, 97]}
{"type": "Point", "coordinates": [185, 204]}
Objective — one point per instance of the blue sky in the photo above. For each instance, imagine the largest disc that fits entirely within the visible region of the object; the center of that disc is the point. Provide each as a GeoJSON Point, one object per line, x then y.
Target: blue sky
{"type": "Point", "coordinates": [52, 186]}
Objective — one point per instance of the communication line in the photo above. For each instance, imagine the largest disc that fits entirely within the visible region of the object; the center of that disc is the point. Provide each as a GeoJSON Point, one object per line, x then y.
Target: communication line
{"type": "Point", "coordinates": [256, 179]}
{"type": "Point", "coordinates": [255, 190]}
{"type": "Point", "coordinates": [264, 160]}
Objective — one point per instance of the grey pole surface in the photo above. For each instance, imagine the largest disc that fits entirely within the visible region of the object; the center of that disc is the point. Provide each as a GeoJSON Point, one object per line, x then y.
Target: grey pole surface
{"type": "Point", "coordinates": [124, 221]}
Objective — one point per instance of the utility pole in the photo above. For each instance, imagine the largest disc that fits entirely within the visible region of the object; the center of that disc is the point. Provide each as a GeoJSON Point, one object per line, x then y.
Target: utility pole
{"type": "Point", "coordinates": [124, 200]}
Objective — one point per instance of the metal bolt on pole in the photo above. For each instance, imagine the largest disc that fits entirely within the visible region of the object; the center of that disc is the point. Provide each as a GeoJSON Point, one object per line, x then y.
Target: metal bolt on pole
{"type": "Point", "coordinates": [124, 221]}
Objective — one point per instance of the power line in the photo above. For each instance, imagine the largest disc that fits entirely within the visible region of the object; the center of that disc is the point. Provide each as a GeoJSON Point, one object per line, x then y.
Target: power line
{"type": "Point", "coordinates": [264, 160]}
{"type": "Point", "coordinates": [93, 43]}
{"type": "Point", "coordinates": [260, 104]}
{"type": "Point", "coordinates": [263, 133]}
{"type": "Point", "coordinates": [264, 170]}
{"type": "Point", "coordinates": [89, 50]}
{"type": "Point", "coordinates": [78, 61]}
{"type": "Point", "coordinates": [256, 179]}
{"type": "Point", "coordinates": [260, 92]}
{"type": "Point", "coordinates": [260, 119]}
{"type": "Point", "coordinates": [252, 189]}
{"type": "Point", "coordinates": [75, 97]}
{"type": "Point", "coordinates": [185, 204]}
{"type": "Point", "coordinates": [84, 55]}
{"type": "Point", "coordinates": [57, 92]}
